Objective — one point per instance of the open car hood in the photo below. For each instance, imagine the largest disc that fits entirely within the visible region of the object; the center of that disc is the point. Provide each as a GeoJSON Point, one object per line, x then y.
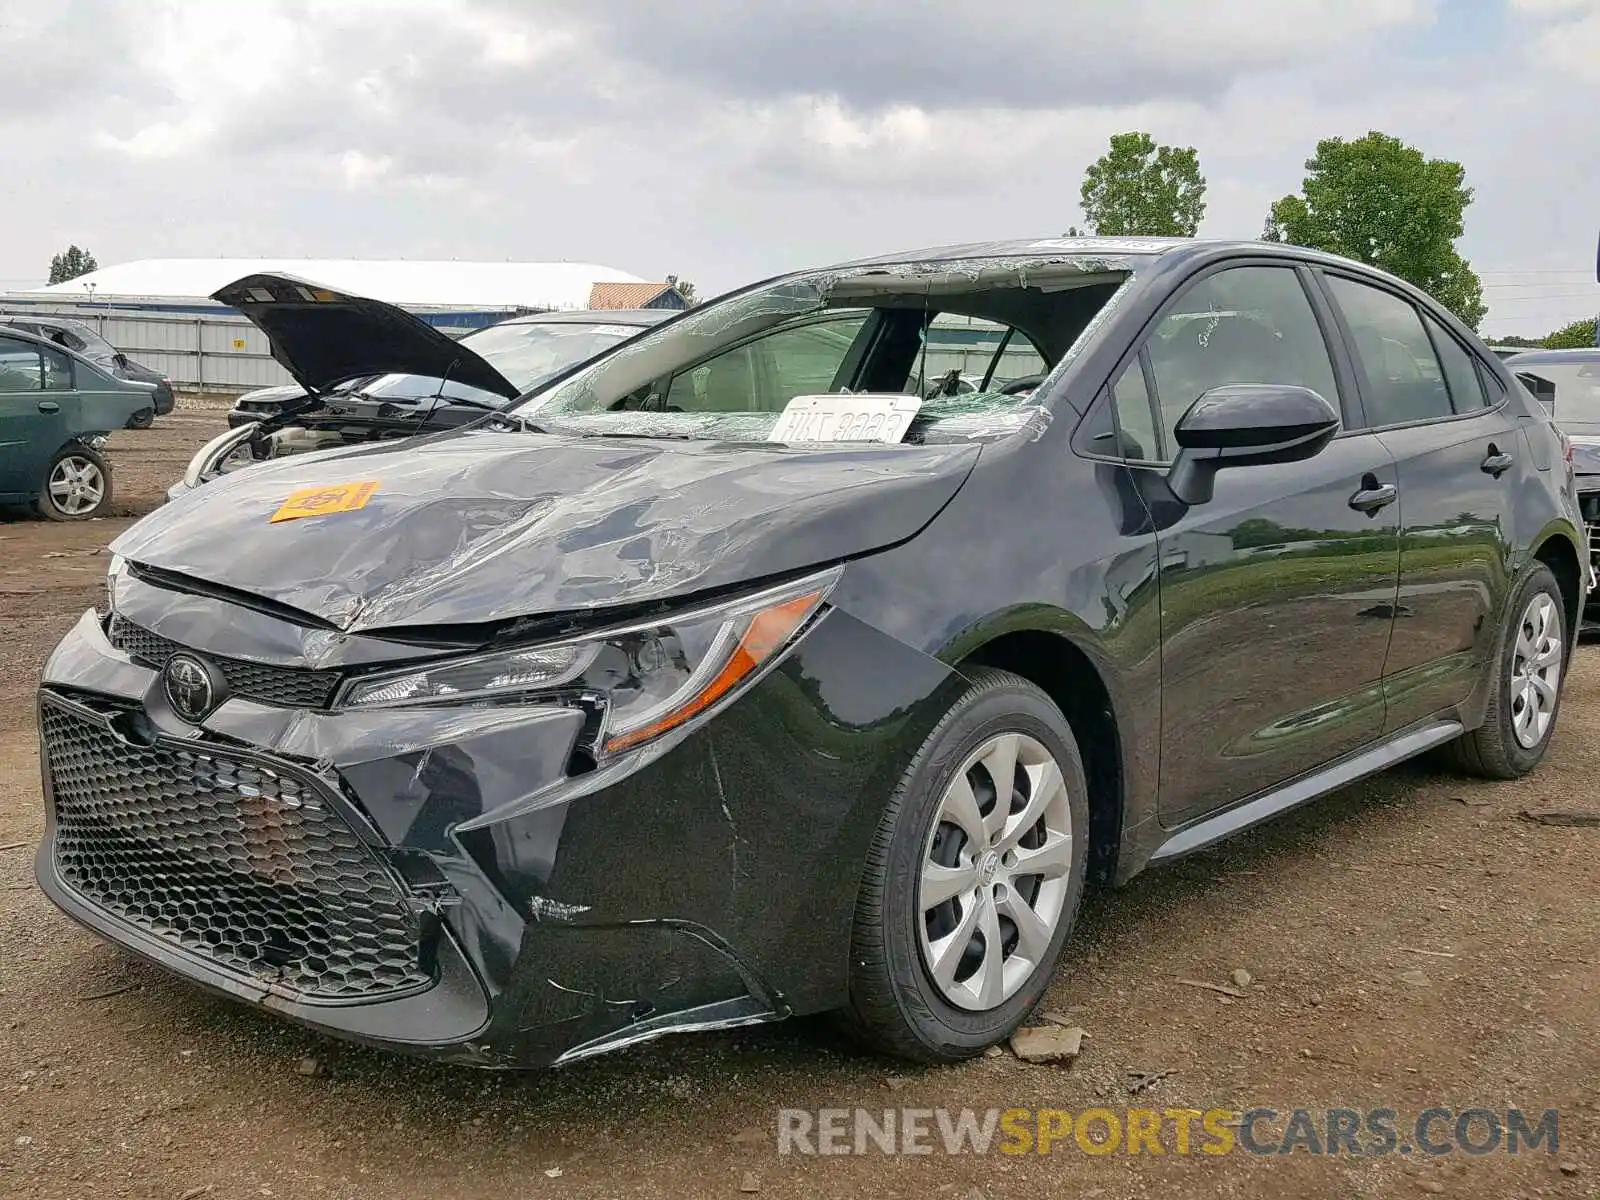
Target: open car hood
{"type": "Point", "coordinates": [323, 337]}
{"type": "Point", "coordinates": [484, 527]}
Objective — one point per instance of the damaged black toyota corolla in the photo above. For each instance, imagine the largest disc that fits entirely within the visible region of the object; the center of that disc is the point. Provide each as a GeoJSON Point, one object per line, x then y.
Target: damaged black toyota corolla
{"type": "Point", "coordinates": [809, 651]}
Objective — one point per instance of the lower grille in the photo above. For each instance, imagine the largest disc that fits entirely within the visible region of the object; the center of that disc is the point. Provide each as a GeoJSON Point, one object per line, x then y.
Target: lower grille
{"type": "Point", "coordinates": [290, 687]}
{"type": "Point", "coordinates": [245, 867]}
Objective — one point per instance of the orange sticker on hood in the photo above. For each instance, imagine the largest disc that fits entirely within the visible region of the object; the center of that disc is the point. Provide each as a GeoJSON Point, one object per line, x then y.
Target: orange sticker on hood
{"type": "Point", "coordinates": [320, 501]}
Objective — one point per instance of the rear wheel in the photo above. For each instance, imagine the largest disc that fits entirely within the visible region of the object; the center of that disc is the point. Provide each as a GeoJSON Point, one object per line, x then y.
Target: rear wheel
{"type": "Point", "coordinates": [973, 880]}
{"type": "Point", "coordinates": [77, 485]}
{"type": "Point", "coordinates": [1527, 684]}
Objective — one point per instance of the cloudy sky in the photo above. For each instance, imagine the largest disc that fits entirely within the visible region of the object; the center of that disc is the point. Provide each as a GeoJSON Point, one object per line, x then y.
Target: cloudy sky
{"type": "Point", "coordinates": [725, 140]}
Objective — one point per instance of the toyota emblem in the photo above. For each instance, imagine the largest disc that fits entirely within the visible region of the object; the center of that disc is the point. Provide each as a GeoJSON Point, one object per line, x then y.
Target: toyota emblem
{"type": "Point", "coordinates": [193, 688]}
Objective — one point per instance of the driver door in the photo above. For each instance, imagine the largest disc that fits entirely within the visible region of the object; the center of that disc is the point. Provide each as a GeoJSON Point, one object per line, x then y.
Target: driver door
{"type": "Point", "coordinates": [1277, 595]}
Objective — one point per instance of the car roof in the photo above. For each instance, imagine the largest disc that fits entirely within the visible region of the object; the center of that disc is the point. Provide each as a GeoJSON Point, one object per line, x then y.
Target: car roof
{"type": "Point", "coordinates": [597, 316]}
{"type": "Point", "coordinates": [1579, 354]}
{"type": "Point", "coordinates": [47, 319]}
{"type": "Point", "coordinates": [1123, 250]}
{"type": "Point", "coordinates": [24, 335]}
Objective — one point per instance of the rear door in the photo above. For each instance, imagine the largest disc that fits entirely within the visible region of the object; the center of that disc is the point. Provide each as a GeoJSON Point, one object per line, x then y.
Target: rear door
{"type": "Point", "coordinates": [1276, 596]}
{"type": "Point", "coordinates": [1459, 461]}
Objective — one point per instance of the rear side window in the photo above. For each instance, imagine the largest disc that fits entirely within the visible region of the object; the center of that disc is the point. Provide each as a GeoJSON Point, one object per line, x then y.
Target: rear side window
{"type": "Point", "coordinates": [1241, 325]}
{"type": "Point", "coordinates": [1404, 380]}
{"type": "Point", "coordinates": [57, 371]}
{"type": "Point", "coordinates": [1460, 369]}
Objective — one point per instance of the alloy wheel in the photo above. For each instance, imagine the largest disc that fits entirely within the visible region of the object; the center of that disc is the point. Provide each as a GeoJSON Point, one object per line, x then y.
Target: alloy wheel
{"type": "Point", "coordinates": [76, 486]}
{"type": "Point", "coordinates": [1536, 671]}
{"type": "Point", "coordinates": [995, 872]}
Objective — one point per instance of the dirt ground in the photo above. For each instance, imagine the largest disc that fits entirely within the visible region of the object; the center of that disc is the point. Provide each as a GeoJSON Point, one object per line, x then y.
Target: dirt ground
{"type": "Point", "coordinates": [1412, 942]}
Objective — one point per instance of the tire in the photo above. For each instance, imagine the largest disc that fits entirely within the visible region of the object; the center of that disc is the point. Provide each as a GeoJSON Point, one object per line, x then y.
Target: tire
{"type": "Point", "coordinates": [142, 419]}
{"type": "Point", "coordinates": [896, 1004]}
{"type": "Point", "coordinates": [1507, 745]}
{"type": "Point", "coordinates": [74, 457]}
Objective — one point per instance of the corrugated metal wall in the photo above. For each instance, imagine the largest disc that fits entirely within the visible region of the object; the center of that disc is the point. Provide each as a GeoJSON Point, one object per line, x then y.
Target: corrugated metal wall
{"type": "Point", "coordinates": [215, 351]}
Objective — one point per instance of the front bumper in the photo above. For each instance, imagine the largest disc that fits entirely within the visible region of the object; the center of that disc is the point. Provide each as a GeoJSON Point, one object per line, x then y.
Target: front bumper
{"type": "Point", "coordinates": [707, 882]}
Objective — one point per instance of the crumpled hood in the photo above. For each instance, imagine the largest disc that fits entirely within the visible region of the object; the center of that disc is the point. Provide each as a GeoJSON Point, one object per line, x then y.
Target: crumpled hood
{"type": "Point", "coordinates": [485, 526]}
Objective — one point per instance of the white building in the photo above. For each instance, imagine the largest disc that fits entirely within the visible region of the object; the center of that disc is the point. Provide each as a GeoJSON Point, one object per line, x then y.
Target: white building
{"type": "Point", "coordinates": [159, 311]}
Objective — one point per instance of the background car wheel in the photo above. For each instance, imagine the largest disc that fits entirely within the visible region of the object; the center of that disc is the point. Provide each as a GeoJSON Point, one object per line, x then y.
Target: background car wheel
{"type": "Point", "coordinates": [1527, 684]}
{"type": "Point", "coordinates": [77, 485]}
{"type": "Point", "coordinates": [142, 419]}
{"type": "Point", "coordinates": [973, 879]}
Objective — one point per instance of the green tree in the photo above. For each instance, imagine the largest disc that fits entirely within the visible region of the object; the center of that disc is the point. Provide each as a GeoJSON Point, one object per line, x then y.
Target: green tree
{"type": "Point", "coordinates": [1140, 189]}
{"type": "Point", "coordinates": [685, 289]}
{"type": "Point", "coordinates": [1379, 201]}
{"type": "Point", "coordinates": [1577, 336]}
{"type": "Point", "coordinates": [71, 263]}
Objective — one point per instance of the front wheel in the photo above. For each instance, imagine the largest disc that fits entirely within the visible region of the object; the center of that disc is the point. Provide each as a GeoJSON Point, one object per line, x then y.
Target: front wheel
{"type": "Point", "coordinates": [142, 419]}
{"type": "Point", "coordinates": [77, 486]}
{"type": "Point", "coordinates": [1526, 691]}
{"type": "Point", "coordinates": [972, 883]}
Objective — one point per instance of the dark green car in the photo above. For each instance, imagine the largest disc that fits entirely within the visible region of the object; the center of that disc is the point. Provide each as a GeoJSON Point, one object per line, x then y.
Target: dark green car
{"type": "Point", "coordinates": [56, 409]}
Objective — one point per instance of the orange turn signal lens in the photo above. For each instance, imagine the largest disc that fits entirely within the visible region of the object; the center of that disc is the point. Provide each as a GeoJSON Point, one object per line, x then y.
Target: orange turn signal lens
{"type": "Point", "coordinates": [768, 631]}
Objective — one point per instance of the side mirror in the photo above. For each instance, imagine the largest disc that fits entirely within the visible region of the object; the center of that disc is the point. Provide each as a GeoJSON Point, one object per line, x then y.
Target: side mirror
{"type": "Point", "coordinates": [1247, 424]}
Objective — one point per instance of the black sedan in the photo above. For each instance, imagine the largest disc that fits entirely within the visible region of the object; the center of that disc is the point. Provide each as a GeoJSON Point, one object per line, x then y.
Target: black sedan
{"type": "Point", "coordinates": [741, 673]}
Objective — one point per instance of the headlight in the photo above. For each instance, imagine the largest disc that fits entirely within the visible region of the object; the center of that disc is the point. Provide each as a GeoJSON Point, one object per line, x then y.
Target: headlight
{"type": "Point", "coordinates": [113, 573]}
{"type": "Point", "coordinates": [212, 458]}
{"type": "Point", "coordinates": [646, 679]}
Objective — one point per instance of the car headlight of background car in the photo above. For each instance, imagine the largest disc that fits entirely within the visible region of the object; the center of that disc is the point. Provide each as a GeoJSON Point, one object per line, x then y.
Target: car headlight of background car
{"type": "Point", "coordinates": [1585, 455]}
{"type": "Point", "coordinates": [223, 453]}
{"type": "Point", "coordinates": [113, 573]}
{"type": "Point", "coordinates": [645, 679]}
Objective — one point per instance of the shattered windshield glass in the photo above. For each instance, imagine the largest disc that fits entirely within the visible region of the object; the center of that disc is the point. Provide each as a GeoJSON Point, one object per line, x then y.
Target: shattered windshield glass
{"type": "Point", "coordinates": [969, 341]}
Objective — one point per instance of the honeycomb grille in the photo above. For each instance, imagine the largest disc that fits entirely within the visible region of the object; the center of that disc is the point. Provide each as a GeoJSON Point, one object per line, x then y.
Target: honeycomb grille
{"type": "Point", "coordinates": [288, 687]}
{"type": "Point", "coordinates": [245, 867]}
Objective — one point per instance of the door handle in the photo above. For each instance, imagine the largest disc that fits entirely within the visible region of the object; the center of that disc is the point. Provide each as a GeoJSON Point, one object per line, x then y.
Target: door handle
{"type": "Point", "coordinates": [49, 406]}
{"type": "Point", "coordinates": [1495, 463]}
{"type": "Point", "coordinates": [1373, 496]}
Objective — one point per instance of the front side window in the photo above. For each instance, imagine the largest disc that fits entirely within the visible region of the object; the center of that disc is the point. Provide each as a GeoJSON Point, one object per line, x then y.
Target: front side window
{"type": "Point", "coordinates": [19, 366]}
{"type": "Point", "coordinates": [1404, 380]}
{"type": "Point", "coordinates": [1241, 325]}
{"type": "Point", "coordinates": [763, 375]}
{"type": "Point", "coordinates": [966, 355]}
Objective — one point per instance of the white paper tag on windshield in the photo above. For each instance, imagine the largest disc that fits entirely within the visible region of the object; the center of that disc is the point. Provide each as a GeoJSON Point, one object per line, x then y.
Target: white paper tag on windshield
{"type": "Point", "coordinates": [865, 417]}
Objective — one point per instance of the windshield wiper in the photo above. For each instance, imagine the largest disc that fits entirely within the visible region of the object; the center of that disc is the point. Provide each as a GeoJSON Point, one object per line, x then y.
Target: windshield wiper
{"type": "Point", "coordinates": [612, 433]}
{"type": "Point", "coordinates": [467, 402]}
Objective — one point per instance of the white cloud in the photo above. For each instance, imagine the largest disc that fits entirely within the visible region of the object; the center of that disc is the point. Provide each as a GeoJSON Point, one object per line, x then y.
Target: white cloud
{"type": "Point", "coordinates": [725, 140]}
